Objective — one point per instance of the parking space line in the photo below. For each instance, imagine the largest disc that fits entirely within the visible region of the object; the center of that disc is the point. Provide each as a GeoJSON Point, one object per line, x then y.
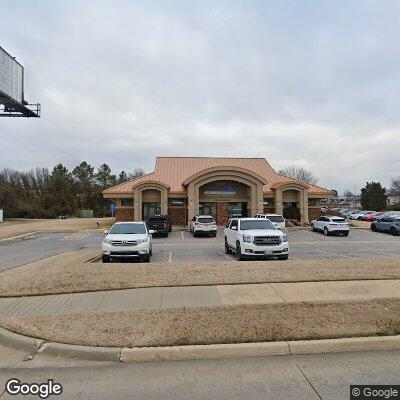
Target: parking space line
{"type": "Point", "coordinates": [225, 255]}
{"type": "Point", "coordinates": [183, 236]}
{"type": "Point", "coordinates": [170, 257]}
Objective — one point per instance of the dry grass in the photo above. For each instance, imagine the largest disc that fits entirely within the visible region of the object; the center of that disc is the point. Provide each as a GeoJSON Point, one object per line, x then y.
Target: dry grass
{"type": "Point", "coordinates": [68, 273]}
{"type": "Point", "coordinates": [225, 324]}
{"type": "Point", "coordinates": [20, 227]}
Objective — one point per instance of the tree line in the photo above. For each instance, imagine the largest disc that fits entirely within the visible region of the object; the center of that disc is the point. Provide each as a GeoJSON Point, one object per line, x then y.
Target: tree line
{"type": "Point", "coordinates": [39, 193]}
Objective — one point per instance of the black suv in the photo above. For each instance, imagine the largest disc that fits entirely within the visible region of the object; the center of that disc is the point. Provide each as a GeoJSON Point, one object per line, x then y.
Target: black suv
{"type": "Point", "coordinates": [160, 224]}
{"type": "Point", "coordinates": [387, 224]}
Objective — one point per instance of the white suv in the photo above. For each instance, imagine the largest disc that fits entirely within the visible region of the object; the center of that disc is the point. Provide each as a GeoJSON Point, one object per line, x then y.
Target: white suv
{"type": "Point", "coordinates": [255, 237]}
{"type": "Point", "coordinates": [276, 219]}
{"type": "Point", "coordinates": [127, 240]}
{"type": "Point", "coordinates": [203, 224]}
{"type": "Point", "coordinates": [330, 224]}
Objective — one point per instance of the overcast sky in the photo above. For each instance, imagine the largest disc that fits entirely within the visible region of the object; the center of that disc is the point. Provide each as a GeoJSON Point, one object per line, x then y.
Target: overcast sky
{"type": "Point", "coordinates": [309, 83]}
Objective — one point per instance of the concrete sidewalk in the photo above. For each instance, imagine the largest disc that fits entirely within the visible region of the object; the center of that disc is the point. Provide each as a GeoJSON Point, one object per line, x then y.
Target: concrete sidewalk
{"type": "Point", "coordinates": [199, 296]}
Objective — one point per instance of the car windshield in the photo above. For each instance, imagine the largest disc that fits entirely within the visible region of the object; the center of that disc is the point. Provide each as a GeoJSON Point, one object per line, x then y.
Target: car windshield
{"type": "Point", "coordinates": [256, 224]}
{"type": "Point", "coordinates": [127, 229]}
{"type": "Point", "coordinates": [339, 220]}
{"type": "Point", "coordinates": [206, 220]}
{"type": "Point", "coordinates": [275, 218]}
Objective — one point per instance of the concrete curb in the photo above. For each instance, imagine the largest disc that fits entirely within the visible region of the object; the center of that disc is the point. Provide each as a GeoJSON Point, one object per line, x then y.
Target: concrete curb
{"type": "Point", "coordinates": [199, 352]}
{"type": "Point", "coordinates": [83, 352]}
{"type": "Point", "coordinates": [17, 341]}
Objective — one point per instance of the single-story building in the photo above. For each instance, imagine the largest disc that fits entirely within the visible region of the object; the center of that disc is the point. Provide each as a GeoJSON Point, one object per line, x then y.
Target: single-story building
{"type": "Point", "coordinates": [183, 187]}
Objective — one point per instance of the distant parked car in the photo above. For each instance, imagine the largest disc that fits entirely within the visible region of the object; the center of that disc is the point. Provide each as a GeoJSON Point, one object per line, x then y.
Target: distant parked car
{"type": "Point", "coordinates": [387, 224]}
{"type": "Point", "coordinates": [203, 224]}
{"type": "Point", "coordinates": [373, 216]}
{"type": "Point", "coordinates": [276, 219]}
{"type": "Point", "coordinates": [160, 224]}
{"type": "Point", "coordinates": [330, 225]}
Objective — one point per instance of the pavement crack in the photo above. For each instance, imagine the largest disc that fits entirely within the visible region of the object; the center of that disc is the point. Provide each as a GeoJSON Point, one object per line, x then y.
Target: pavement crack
{"type": "Point", "coordinates": [309, 382]}
{"type": "Point", "coordinates": [277, 293]}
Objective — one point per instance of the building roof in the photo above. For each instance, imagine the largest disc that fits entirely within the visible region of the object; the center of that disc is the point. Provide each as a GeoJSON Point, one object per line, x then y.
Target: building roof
{"type": "Point", "coordinates": [173, 171]}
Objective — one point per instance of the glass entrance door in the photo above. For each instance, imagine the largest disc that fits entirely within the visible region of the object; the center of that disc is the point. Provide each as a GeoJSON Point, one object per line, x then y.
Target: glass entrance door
{"type": "Point", "coordinates": [208, 209]}
{"type": "Point", "coordinates": [150, 209]}
{"type": "Point", "coordinates": [237, 210]}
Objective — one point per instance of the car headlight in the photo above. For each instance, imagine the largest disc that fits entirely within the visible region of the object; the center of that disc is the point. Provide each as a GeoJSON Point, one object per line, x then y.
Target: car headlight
{"type": "Point", "coordinates": [284, 238]}
{"type": "Point", "coordinates": [247, 239]}
{"type": "Point", "coordinates": [143, 240]}
{"type": "Point", "coordinates": [107, 241]}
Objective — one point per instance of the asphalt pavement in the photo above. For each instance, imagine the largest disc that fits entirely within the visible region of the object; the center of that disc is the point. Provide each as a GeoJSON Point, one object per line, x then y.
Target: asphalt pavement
{"type": "Point", "coordinates": [181, 246]}
{"type": "Point", "coordinates": [322, 376]}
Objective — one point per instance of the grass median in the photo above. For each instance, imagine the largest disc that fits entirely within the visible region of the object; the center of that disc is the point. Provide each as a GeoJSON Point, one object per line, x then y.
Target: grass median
{"type": "Point", "coordinates": [69, 273]}
{"type": "Point", "coordinates": [214, 325]}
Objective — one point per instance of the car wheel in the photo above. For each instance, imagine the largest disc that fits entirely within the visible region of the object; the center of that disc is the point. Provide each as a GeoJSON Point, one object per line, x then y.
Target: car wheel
{"type": "Point", "coordinates": [239, 255]}
{"type": "Point", "coordinates": [393, 231]}
{"type": "Point", "coordinates": [359, 218]}
{"type": "Point", "coordinates": [105, 259]}
{"type": "Point", "coordinates": [373, 227]}
{"type": "Point", "coordinates": [166, 234]}
{"type": "Point", "coordinates": [151, 251]}
{"type": "Point", "coordinates": [326, 232]}
{"type": "Point", "coordinates": [194, 233]}
{"type": "Point", "coordinates": [346, 234]}
{"type": "Point", "coordinates": [146, 258]}
{"type": "Point", "coordinates": [284, 257]}
{"type": "Point", "coordinates": [227, 248]}
{"type": "Point", "coordinates": [214, 234]}
{"type": "Point", "coordinates": [312, 227]}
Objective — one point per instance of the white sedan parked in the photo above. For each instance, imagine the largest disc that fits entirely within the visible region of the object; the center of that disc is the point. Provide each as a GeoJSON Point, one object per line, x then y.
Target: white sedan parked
{"type": "Point", "coordinates": [330, 225]}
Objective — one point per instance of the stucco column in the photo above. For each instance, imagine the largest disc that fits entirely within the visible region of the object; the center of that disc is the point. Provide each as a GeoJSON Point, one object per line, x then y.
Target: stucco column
{"type": "Point", "coordinates": [137, 205]}
{"type": "Point", "coordinates": [260, 199]}
{"type": "Point", "coordinates": [164, 201]}
{"type": "Point", "coordinates": [305, 207]}
{"type": "Point", "coordinates": [278, 202]}
{"type": "Point", "coordinates": [191, 201]}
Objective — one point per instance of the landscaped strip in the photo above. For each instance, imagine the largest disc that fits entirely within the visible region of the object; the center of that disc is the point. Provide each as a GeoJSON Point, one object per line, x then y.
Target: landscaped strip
{"type": "Point", "coordinates": [215, 325]}
{"type": "Point", "coordinates": [70, 273]}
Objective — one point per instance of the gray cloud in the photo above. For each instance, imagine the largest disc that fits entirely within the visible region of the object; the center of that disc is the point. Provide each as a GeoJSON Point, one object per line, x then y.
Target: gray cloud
{"type": "Point", "coordinates": [311, 83]}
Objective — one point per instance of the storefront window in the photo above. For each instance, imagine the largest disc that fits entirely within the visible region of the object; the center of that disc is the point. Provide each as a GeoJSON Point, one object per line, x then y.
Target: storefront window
{"type": "Point", "coordinates": [208, 209]}
{"type": "Point", "coordinates": [127, 202]}
{"type": "Point", "coordinates": [312, 202]}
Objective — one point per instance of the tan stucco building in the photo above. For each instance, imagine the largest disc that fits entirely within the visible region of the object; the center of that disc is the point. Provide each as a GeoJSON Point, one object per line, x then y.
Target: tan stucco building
{"type": "Point", "coordinates": [223, 187]}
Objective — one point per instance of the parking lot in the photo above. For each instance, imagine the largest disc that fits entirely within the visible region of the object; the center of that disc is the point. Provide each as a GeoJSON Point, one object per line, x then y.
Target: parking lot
{"type": "Point", "coordinates": [304, 244]}
{"type": "Point", "coordinates": [181, 246]}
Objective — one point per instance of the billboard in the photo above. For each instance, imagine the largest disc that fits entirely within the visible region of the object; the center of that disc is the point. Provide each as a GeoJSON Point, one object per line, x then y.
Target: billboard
{"type": "Point", "coordinates": [11, 76]}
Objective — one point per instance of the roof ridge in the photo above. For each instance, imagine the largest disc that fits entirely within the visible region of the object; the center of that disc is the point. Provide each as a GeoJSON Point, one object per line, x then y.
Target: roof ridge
{"type": "Point", "coordinates": [236, 158]}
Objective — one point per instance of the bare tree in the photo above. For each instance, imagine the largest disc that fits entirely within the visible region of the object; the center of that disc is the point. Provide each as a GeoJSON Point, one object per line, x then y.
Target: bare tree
{"type": "Point", "coordinates": [395, 187]}
{"type": "Point", "coordinates": [299, 173]}
{"type": "Point", "coordinates": [137, 173]}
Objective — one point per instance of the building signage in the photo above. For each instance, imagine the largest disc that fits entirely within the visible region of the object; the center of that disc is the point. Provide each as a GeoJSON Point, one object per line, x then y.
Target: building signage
{"type": "Point", "coordinates": [227, 190]}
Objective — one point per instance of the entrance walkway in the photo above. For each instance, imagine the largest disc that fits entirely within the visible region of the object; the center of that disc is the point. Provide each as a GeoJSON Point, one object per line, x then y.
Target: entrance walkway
{"type": "Point", "coordinates": [199, 296]}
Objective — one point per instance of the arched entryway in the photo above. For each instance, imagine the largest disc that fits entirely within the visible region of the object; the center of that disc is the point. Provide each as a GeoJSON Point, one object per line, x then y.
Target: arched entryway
{"type": "Point", "coordinates": [225, 192]}
{"type": "Point", "coordinates": [150, 198]}
{"type": "Point", "coordinates": [291, 200]}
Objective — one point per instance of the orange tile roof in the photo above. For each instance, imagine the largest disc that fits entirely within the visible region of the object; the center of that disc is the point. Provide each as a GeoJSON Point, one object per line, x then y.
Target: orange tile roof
{"type": "Point", "coordinates": [173, 171]}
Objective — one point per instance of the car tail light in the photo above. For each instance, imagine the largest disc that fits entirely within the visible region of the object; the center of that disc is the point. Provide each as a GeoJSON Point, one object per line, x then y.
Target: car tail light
{"type": "Point", "coordinates": [165, 225]}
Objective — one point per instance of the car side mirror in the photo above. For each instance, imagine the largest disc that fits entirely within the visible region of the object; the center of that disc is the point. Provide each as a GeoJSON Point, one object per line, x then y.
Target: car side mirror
{"type": "Point", "coordinates": [151, 231]}
{"type": "Point", "coordinates": [105, 231]}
